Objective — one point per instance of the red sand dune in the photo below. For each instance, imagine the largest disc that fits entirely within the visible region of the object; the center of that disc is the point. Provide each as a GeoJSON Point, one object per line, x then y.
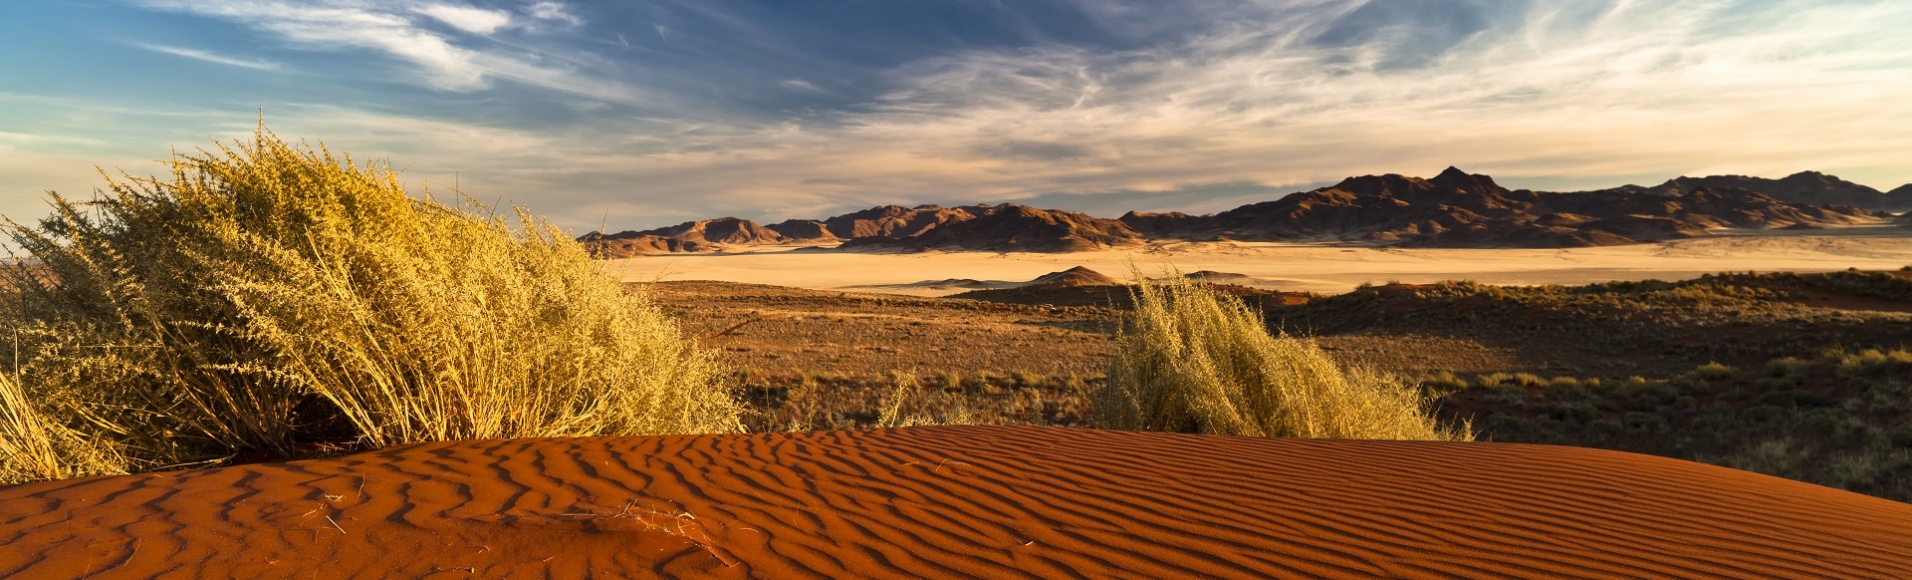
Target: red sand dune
{"type": "Point", "coordinates": [955, 502]}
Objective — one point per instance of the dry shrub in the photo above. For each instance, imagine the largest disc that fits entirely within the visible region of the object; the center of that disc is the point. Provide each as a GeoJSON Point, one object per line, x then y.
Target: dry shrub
{"type": "Point", "coordinates": [265, 290]}
{"type": "Point", "coordinates": [1194, 360]}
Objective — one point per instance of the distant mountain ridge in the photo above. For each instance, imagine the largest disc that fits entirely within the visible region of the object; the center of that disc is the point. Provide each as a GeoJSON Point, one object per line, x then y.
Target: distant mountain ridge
{"type": "Point", "coordinates": [1458, 209]}
{"type": "Point", "coordinates": [1452, 209]}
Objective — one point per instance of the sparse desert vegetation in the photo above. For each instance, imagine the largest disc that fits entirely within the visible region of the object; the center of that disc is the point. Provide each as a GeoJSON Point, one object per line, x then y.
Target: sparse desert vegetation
{"type": "Point", "coordinates": [1837, 418]}
{"type": "Point", "coordinates": [1610, 365]}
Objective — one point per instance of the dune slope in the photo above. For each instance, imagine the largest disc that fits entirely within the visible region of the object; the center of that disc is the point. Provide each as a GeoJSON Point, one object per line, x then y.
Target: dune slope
{"type": "Point", "coordinates": [956, 501]}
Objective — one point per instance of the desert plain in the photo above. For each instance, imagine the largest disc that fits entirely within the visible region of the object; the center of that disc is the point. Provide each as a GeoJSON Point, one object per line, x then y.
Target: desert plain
{"type": "Point", "coordinates": [1326, 267]}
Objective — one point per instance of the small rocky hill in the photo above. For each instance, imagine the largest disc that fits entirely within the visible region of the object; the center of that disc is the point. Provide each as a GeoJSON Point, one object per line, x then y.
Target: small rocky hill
{"type": "Point", "coordinates": [1077, 276]}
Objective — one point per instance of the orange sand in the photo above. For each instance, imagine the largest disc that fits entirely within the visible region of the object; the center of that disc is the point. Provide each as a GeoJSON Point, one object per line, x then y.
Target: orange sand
{"type": "Point", "coordinates": [955, 501]}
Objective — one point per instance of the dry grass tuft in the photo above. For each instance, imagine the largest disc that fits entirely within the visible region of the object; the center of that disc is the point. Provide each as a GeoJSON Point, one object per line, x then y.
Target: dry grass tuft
{"type": "Point", "coordinates": [908, 405]}
{"type": "Point", "coordinates": [1194, 360]}
{"type": "Point", "coordinates": [33, 448]}
{"type": "Point", "coordinates": [266, 290]}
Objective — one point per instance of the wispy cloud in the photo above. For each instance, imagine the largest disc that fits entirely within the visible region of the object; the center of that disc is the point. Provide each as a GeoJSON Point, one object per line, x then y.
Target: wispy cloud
{"type": "Point", "coordinates": [554, 11]}
{"type": "Point", "coordinates": [802, 85]}
{"type": "Point", "coordinates": [340, 25]}
{"type": "Point", "coordinates": [389, 28]}
{"type": "Point", "coordinates": [467, 18]}
{"type": "Point", "coordinates": [197, 54]}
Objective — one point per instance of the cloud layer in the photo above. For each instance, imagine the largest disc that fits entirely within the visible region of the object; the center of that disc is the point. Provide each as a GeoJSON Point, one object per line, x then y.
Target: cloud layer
{"type": "Point", "coordinates": [648, 113]}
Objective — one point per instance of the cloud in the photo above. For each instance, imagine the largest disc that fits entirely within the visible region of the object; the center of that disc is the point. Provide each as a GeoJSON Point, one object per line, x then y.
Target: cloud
{"type": "Point", "coordinates": [554, 11]}
{"type": "Point", "coordinates": [1036, 150]}
{"type": "Point", "coordinates": [802, 85]}
{"type": "Point", "coordinates": [348, 25]}
{"type": "Point", "coordinates": [339, 25]}
{"type": "Point", "coordinates": [196, 54]}
{"type": "Point", "coordinates": [466, 18]}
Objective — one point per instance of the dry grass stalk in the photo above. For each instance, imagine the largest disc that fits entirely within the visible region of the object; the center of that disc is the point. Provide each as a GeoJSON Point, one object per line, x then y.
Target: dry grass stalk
{"type": "Point", "coordinates": [32, 448]}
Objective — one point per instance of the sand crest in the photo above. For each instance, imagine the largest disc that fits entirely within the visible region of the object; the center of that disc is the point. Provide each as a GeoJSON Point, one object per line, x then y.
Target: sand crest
{"type": "Point", "coordinates": [955, 502]}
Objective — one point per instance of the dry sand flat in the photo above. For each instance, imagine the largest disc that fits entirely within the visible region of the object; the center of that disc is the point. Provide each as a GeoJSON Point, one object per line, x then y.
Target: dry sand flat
{"type": "Point", "coordinates": [1330, 268]}
{"type": "Point", "coordinates": [955, 502]}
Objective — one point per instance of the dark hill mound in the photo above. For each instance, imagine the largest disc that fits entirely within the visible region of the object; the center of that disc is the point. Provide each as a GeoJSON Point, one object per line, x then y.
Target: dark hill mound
{"type": "Point", "coordinates": [1077, 276]}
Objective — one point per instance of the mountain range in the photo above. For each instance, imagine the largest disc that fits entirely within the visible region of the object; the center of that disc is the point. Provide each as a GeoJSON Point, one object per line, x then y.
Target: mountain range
{"type": "Point", "coordinates": [1452, 209]}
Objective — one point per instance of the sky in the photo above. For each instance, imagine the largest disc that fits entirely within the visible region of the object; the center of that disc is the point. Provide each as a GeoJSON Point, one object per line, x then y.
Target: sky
{"type": "Point", "coordinates": [643, 113]}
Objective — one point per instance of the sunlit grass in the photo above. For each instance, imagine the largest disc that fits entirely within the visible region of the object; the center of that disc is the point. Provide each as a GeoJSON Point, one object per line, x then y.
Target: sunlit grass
{"type": "Point", "coordinates": [33, 448]}
{"type": "Point", "coordinates": [268, 293]}
{"type": "Point", "coordinates": [1193, 360]}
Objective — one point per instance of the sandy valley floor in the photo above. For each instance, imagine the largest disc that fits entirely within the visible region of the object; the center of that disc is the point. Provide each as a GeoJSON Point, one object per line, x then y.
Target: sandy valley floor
{"type": "Point", "coordinates": [1327, 268]}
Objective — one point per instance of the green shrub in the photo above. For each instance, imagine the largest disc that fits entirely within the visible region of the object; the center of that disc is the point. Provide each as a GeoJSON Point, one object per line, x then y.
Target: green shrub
{"type": "Point", "coordinates": [1786, 367]}
{"type": "Point", "coordinates": [1871, 362]}
{"type": "Point", "coordinates": [1194, 360]}
{"type": "Point", "coordinates": [1529, 380]}
{"type": "Point", "coordinates": [1644, 423]}
{"type": "Point", "coordinates": [269, 288]}
{"type": "Point", "coordinates": [1444, 382]}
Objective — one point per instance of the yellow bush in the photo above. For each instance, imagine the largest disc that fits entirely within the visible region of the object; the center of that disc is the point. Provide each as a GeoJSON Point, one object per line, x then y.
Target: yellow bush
{"type": "Point", "coordinates": [269, 288]}
{"type": "Point", "coordinates": [1193, 360]}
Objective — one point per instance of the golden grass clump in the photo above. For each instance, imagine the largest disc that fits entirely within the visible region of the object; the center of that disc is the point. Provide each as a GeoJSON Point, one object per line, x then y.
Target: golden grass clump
{"type": "Point", "coordinates": [34, 448]}
{"type": "Point", "coordinates": [268, 291]}
{"type": "Point", "coordinates": [1193, 360]}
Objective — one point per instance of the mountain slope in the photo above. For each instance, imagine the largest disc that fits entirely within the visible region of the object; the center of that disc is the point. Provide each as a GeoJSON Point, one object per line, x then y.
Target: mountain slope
{"type": "Point", "coordinates": [1015, 228]}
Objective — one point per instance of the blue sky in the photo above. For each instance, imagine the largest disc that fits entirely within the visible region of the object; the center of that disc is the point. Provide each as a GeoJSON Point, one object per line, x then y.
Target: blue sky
{"type": "Point", "coordinates": [643, 113]}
